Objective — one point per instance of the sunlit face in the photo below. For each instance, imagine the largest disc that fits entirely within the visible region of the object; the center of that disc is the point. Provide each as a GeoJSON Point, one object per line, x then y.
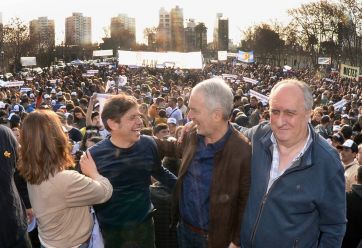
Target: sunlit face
{"type": "Point", "coordinates": [78, 115]}
{"type": "Point", "coordinates": [317, 116]}
{"type": "Point", "coordinates": [16, 133]}
{"type": "Point", "coordinates": [163, 133]}
{"type": "Point", "coordinates": [129, 127]}
{"type": "Point", "coordinates": [96, 121]}
{"type": "Point", "coordinates": [359, 156]}
{"type": "Point", "coordinates": [346, 155]}
{"type": "Point", "coordinates": [288, 117]}
{"type": "Point", "coordinates": [143, 109]}
{"type": "Point", "coordinates": [200, 114]}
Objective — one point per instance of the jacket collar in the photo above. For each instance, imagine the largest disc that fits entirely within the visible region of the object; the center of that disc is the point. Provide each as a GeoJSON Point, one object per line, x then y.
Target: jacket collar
{"type": "Point", "coordinates": [306, 159]}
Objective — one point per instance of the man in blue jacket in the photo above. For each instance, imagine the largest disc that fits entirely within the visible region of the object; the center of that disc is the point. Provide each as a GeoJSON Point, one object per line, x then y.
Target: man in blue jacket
{"type": "Point", "coordinates": [297, 196]}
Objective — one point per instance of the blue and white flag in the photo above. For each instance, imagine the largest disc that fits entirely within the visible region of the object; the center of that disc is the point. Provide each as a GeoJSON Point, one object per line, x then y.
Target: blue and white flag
{"type": "Point", "coordinates": [246, 57]}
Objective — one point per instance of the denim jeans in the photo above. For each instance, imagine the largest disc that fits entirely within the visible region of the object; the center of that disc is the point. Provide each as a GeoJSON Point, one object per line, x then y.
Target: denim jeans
{"type": "Point", "coordinates": [189, 239]}
{"type": "Point", "coordinates": [84, 245]}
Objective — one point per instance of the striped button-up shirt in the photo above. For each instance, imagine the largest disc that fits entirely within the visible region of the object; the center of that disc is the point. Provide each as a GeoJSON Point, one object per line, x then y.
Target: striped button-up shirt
{"type": "Point", "coordinates": [274, 171]}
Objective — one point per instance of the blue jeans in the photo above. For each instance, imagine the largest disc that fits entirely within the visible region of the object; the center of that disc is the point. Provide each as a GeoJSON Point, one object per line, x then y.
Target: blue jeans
{"type": "Point", "coordinates": [84, 245]}
{"type": "Point", "coordinates": [189, 239]}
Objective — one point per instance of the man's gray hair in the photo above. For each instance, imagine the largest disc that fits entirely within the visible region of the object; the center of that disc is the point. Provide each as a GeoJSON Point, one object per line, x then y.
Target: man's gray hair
{"type": "Point", "coordinates": [217, 95]}
{"type": "Point", "coordinates": [307, 93]}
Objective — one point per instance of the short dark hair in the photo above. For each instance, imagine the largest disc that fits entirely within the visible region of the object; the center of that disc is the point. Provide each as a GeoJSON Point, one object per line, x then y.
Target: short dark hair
{"type": "Point", "coordinates": [115, 107]}
{"type": "Point", "coordinates": [159, 128]}
{"type": "Point", "coordinates": [94, 114]}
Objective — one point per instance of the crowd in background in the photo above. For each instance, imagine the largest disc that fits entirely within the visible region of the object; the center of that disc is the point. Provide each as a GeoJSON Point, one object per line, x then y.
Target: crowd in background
{"type": "Point", "coordinates": [163, 96]}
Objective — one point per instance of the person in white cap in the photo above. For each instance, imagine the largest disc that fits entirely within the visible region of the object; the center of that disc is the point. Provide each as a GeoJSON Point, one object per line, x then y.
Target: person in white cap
{"type": "Point", "coordinates": [348, 152]}
{"type": "Point", "coordinates": [172, 125]}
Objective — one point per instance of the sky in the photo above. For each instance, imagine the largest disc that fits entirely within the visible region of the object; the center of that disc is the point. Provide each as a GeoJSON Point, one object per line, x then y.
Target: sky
{"type": "Point", "coordinates": [241, 14]}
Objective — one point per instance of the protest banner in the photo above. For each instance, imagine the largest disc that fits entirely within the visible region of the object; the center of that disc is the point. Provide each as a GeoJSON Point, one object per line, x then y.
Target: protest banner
{"type": "Point", "coordinates": [102, 53]}
{"type": "Point", "coordinates": [14, 84]}
{"type": "Point", "coordinates": [250, 80]}
{"type": "Point", "coordinates": [324, 61]}
{"type": "Point", "coordinates": [28, 61]}
{"type": "Point", "coordinates": [349, 71]}
{"type": "Point", "coordinates": [222, 55]}
{"type": "Point", "coordinates": [340, 104]}
{"type": "Point", "coordinates": [263, 98]}
{"type": "Point", "coordinates": [191, 60]}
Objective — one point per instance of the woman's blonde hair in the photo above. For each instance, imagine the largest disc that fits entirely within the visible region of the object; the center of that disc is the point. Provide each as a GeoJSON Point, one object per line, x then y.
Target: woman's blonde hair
{"type": "Point", "coordinates": [44, 147]}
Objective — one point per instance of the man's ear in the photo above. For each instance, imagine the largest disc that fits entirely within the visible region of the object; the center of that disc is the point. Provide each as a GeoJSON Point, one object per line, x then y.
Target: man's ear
{"type": "Point", "coordinates": [217, 114]}
{"type": "Point", "coordinates": [112, 124]}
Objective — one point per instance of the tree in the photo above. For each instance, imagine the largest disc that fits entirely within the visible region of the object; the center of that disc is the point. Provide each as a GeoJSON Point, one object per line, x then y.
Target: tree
{"type": "Point", "coordinates": [201, 32]}
{"type": "Point", "coordinates": [317, 22]}
{"type": "Point", "coordinates": [16, 42]}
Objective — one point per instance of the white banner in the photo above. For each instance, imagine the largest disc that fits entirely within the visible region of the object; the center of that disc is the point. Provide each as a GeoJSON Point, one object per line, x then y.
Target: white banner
{"type": "Point", "coordinates": [28, 61]}
{"type": "Point", "coordinates": [340, 104]}
{"type": "Point", "coordinates": [264, 99]}
{"type": "Point", "coordinates": [25, 90]}
{"type": "Point", "coordinates": [329, 80]}
{"type": "Point", "coordinates": [101, 100]}
{"type": "Point", "coordinates": [225, 76]}
{"type": "Point", "coordinates": [14, 84]}
{"type": "Point", "coordinates": [192, 60]}
{"type": "Point", "coordinates": [122, 81]}
{"type": "Point", "coordinates": [222, 55]}
{"type": "Point", "coordinates": [87, 75]}
{"type": "Point", "coordinates": [324, 61]}
{"type": "Point", "coordinates": [232, 54]}
{"type": "Point", "coordinates": [92, 71]}
{"type": "Point", "coordinates": [250, 80]}
{"type": "Point", "coordinates": [102, 53]}
{"type": "Point", "coordinates": [349, 71]}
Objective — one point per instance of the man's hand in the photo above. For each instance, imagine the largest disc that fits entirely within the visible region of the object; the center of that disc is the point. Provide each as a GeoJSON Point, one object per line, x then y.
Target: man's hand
{"type": "Point", "coordinates": [93, 98]}
{"type": "Point", "coordinates": [186, 129]}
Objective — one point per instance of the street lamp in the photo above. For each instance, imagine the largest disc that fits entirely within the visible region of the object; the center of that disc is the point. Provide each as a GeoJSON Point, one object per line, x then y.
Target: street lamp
{"type": "Point", "coordinates": [83, 53]}
{"type": "Point", "coordinates": [2, 61]}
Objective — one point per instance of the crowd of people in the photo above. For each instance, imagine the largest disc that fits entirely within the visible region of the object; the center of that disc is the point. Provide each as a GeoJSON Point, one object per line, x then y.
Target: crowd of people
{"type": "Point", "coordinates": [181, 158]}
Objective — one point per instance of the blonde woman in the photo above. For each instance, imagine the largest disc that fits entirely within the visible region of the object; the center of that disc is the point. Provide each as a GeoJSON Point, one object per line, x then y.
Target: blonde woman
{"type": "Point", "coordinates": [60, 198]}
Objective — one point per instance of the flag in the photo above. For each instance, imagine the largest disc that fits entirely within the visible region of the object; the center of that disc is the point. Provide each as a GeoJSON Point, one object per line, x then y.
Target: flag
{"type": "Point", "coordinates": [246, 57]}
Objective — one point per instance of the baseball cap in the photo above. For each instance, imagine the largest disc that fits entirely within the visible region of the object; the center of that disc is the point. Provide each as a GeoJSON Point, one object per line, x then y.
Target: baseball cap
{"type": "Point", "coordinates": [53, 91]}
{"type": "Point", "coordinates": [349, 144]}
{"type": "Point", "coordinates": [46, 96]}
{"type": "Point", "coordinates": [345, 116]}
{"type": "Point", "coordinates": [2, 105]}
{"type": "Point", "coordinates": [14, 118]}
{"type": "Point", "coordinates": [73, 93]}
{"type": "Point", "coordinates": [59, 93]}
{"type": "Point", "coordinates": [16, 108]}
{"type": "Point", "coordinates": [171, 121]}
{"type": "Point", "coordinates": [336, 128]}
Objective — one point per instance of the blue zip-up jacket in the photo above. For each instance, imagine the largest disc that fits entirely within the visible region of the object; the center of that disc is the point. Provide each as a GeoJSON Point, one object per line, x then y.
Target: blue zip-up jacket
{"type": "Point", "coordinates": [305, 206]}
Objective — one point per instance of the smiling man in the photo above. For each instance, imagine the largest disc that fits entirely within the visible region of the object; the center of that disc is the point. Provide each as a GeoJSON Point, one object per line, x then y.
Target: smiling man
{"type": "Point", "coordinates": [128, 160]}
{"type": "Point", "coordinates": [214, 175]}
{"type": "Point", "coordinates": [297, 194]}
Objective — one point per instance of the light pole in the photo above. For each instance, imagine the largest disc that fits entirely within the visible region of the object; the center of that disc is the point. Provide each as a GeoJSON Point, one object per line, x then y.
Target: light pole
{"type": "Point", "coordinates": [2, 61]}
